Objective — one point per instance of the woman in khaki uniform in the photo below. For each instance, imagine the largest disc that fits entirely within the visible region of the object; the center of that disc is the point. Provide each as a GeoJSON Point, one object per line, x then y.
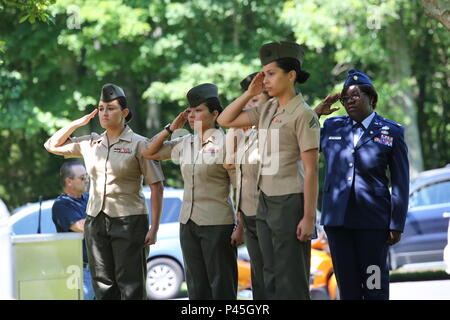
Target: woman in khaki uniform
{"type": "Point", "coordinates": [246, 159]}
{"type": "Point", "coordinates": [288, 176]}
{"type": "Point", "coordinates": [116, 228]}
{"type": "Point", "coordinates": [206, 219]}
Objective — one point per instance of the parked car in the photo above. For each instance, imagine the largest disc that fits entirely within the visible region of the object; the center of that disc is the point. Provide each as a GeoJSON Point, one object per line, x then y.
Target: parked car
{"type": "Point", "coordinates": [323, 284]}
{"type": "Point", "coordinates": [3, 209]}
{"type": "Point", "coordinates": [447, 247]}
{"type": "Point", "coordinates": [165, 268]}
{"type": "Point", "coordinates": [426, 228]}
{"type": "Point", "coordinates": [6, 283]}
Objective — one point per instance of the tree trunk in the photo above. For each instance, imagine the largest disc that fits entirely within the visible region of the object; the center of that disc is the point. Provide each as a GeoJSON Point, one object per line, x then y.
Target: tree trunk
{"type": "Point", "coordinates": [236, 24]}
{"type": "Point", "coordinates": [438, 10]}
{"type": "Point", "coordinates": [400, 76]}
{"type": "Point", "coordinates": [153, 123]}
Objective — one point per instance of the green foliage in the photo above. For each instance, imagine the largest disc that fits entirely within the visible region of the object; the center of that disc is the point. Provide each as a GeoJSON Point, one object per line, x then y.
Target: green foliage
{"type": "Point", "coordinates": [157, 50]}
{"type": "Point", "coordinates": [403, 51]}
{"type": "Point", "coordinates": [30, 10]}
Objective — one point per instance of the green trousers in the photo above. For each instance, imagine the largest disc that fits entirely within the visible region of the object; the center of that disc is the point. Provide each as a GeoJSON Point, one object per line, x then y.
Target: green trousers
{"type": "Point", "coordinates": [254, 250]}
{"type": "Point", "coordinates": [117, 256]}
{"type": "Point", "coordinates": [286, 259]}
{"type": "Point", "coordinates": [210, 261]}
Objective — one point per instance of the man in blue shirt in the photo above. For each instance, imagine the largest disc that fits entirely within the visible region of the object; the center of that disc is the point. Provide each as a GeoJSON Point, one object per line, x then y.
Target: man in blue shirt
{"type": "Point", "coordinates": [69, 211]}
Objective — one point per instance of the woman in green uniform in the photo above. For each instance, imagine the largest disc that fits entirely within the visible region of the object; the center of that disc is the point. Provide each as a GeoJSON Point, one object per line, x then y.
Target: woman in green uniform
{"type": "Point", "coordinates": [288, 176]}
{"type": "Point", "coordinates": [116, 228]}
{"type": "Point", "coordinates": [245, 162]}
{"type": "Point", "coordinates": [206, 219]}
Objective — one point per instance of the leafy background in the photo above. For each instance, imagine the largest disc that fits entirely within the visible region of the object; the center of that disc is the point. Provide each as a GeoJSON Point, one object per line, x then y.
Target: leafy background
{"type": "Point", "coordinates": [56, 54]}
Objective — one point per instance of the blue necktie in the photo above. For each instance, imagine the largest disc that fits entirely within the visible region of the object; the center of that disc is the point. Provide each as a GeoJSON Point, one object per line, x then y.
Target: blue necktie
{"type": "Point", "coordinates": [358, 131]}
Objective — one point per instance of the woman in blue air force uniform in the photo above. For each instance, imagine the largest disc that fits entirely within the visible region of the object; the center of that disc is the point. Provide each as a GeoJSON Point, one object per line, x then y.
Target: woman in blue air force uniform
{"type": "Point", "coordinates": [365, 154]}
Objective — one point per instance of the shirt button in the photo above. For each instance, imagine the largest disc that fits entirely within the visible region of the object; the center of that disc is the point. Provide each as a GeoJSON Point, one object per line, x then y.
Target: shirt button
{"type": "Point", "coordinates": [350, 165]}
{"type": "Point", "coordinates": [353, 151]}
{"type": "Point", "coordinates": [349, 179]}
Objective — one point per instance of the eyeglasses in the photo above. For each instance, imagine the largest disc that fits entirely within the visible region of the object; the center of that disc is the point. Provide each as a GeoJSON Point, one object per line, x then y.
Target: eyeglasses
{"type": "Point", "coordinates": [83, 177]}
{"type": "Point", "coordinates": [355, 96]}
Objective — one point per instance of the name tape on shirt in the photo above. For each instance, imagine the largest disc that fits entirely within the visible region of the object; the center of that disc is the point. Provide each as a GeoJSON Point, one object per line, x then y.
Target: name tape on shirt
{"type": "Point", "coordinates": [212, 150]}
{"type": "Point", "coordinates": [122, 150]}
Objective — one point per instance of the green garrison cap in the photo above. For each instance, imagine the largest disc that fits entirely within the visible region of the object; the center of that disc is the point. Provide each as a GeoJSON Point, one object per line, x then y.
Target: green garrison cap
{"type": "Point", "coordinates": [111, 92]}
{"type": "Point", "coordinates": [247, 80]}
{"type": "Point", "coordinates": [282, 49]}
{"type": "Point", "coordinates": [198, 94]}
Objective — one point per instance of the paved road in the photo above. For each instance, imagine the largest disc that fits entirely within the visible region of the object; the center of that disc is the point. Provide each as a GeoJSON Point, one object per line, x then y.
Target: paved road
{"type": "Point", "coordinates": [420, 290]}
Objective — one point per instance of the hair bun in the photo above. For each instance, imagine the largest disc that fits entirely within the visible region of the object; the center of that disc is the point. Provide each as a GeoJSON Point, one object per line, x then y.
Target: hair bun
{"type": "Point", "coordinates": [302, 76]}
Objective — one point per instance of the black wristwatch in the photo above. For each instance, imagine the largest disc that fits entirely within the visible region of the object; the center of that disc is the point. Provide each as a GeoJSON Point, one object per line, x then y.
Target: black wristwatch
{"type": "Point", "coordinates": [167, 127]}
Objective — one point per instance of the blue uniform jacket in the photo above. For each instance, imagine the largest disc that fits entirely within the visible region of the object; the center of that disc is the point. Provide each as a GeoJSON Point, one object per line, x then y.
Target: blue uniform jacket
{"type": "Point", "coordinates": [378, 161]}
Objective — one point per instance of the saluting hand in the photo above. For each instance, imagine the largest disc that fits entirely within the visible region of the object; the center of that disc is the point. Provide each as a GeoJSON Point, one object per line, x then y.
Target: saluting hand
{"type": "Point", "coordinates": [84, 120]}
{"type": "Point", "coordinates": [324, 107]}
{"type": "Point", "coordinates": [180, 120]}
{"type": "Point", "coordinates": [256, 86]}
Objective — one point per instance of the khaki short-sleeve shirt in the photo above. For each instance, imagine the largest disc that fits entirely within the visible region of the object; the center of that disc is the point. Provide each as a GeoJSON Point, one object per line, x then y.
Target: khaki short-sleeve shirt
{"type": "Point", "coordinates": [206, 182]}
{"type": "Point", "coordinates": [116, 172]}
{"type": "Point", "coordinates": [247, 166]}
{"type": "Point", "coordinates": [283, 135]}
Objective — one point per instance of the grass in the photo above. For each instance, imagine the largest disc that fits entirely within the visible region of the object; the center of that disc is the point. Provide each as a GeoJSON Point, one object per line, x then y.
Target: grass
{"type": "Point", "coordinates": [422, 275]}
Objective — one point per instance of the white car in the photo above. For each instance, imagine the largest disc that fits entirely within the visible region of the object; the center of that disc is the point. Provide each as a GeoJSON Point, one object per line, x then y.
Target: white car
{"type": "Point", "coordinates": [447, 247]}
{"type": "Point", "coordinates": [6, 274]}
{"type": "Point", "coordinates": [165, 271]}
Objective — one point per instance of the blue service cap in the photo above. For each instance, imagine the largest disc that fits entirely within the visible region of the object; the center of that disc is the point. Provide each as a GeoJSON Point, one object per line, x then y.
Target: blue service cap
{"type": "Point", "coordinates": [355, 76]}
